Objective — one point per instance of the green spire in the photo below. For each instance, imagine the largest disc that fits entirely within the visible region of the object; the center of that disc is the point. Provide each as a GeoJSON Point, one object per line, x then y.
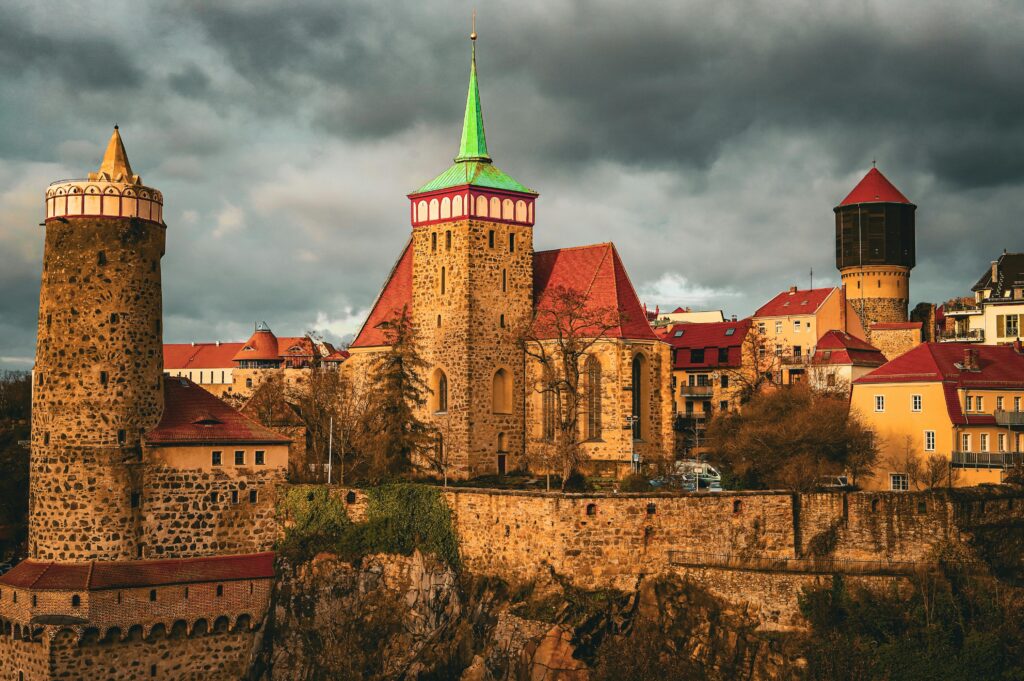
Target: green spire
{"type": "Point", "coordinates": [474, 141]}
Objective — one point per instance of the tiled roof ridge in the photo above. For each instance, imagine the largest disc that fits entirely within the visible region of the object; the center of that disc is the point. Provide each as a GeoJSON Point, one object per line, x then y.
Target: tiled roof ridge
{"type": "Point", "coordinates": [42, 572]}
{"type": "Point", "coordinates": [88, 576]}
{"type": "Point", "coordinates": [574, 248]}
{"type": "Point", "coordinates": [618, 266]}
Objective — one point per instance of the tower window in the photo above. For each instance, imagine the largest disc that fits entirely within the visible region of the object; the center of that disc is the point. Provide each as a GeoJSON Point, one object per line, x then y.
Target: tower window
{"type": "Point", "coordinates": [76, 601]}
{"type": "Point", "coordinates": [502, 321]}
{"type": "Point", "coordinates": [511, 242]}
{"type": "Point", "coordinates": [504, 281]}
{"type": "Point", "coordinates": [114, 318]}
{"type": "Point", "coordinates": [443, 282]}
{"type": "Point", "coordinates": [152, 595]}
{"type": "Point", "coordinates": [234, 496]}
{"type": "Point", "coordinates": [101, 258]}
{"type": "Point", "coordinates": [433, 242]}
{"type": "Point", "coordinates": [213, 497]}
{"type": "Point", "coordinates": [46, 438]}
{"type": "Point", "coordinates": [220, 590]}
{"type": "Point", "coordinates": [122, 436]}
{"type": "Point", "coordinates": [49, 319]}
{"type": "Point", "coordinates": [254, 496]}
{"type": "Point", "coordinates": [136, 499]}
{"type": "Point", "coordinates": [103, 378]}
{"type": "Point", "coordinates": [439, 321]}
{"type": "Point", "coordinates": [448, 240]}
{"type": "Point", "coordinates": [490, 238]}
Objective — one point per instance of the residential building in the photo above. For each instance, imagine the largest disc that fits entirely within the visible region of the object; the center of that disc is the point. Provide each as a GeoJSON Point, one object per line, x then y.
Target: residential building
{"type": "Point", "coordinates": [235, 369]}
{"type": "Point", "coordinates": [472, 285]}
{"type": "Point", "coordinates": [788, 327]}
{"type": "Point", "coordinates": [994, 315]}
{"type": "Point", "coordinates": [840, 359]}
{"type": "Point", "coordinates": [956, 406]}
{"type": "Point", "coordinates": [707, 361]}
{"type": "Point", "coordinates": [684, 315]}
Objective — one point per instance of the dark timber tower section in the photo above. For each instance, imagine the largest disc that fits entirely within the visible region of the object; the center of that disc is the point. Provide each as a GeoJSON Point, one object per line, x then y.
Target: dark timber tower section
{"type": "Point", "coordinates": [98, 371]}
{"type": "Point", "coordinates": [875, 249]}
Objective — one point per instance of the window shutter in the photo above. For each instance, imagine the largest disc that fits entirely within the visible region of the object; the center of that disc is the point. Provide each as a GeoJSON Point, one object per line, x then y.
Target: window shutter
{"type": "Point", "coordinates": [1000, 325]}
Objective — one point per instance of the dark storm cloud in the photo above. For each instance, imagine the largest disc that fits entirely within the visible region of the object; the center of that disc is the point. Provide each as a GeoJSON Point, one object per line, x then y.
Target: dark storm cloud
{"type": "Point", "coordinates": [709, 140]}
{"type": "Point", "coordinates": [86, 63]}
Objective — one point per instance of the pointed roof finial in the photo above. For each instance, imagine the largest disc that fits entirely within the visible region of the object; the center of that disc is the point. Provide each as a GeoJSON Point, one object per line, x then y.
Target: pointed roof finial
{"type": "Point", "coordinates": [474, 142]}
{"type": "Point", "coordinates": [115, 166]}
{"type": "Point", "coordinates": [874, 164]}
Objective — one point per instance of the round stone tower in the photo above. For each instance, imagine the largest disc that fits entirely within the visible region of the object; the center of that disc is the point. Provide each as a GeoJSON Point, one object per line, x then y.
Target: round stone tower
{"type": "Point", "coordinates": [875, 249]}
{"type": "Point", "coordinates": [99, 362]}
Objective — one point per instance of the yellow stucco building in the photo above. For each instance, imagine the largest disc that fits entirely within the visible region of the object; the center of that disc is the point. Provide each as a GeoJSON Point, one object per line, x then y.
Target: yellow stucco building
{"type": "Point", "coordinates": [955, 409]}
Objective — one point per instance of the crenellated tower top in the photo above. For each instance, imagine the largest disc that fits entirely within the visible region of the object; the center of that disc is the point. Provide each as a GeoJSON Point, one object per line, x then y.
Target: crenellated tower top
{"type": "Point", "coordinates": [112, 191]}
{"type": "Point", "coordinates": [473, 187]}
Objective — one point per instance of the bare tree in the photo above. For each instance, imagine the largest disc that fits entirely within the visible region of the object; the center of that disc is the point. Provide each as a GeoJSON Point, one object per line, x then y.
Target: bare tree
{"type": "Point", "coordinates": [562, 334]}
{"type": "Point", "coordinates": [760, 366]}
{"type": "Point", "coordinates": [922, 473]}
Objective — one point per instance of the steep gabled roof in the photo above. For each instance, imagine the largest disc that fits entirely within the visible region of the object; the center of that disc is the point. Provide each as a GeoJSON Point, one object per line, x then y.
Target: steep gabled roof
{"type": "Point", "coordinates": [200, 355]}
{"type": "Point", "coordinates": [597, 271]}
{"type": "Point", "coordinates": [95, 576]}
{"type": "Point", "coordinates": [838, 348]}
{"type": "Point", "coordinates": [194, 416]}
{"type": "Point", "coordinates": [395, 297]}
{"type": "Point", "coordinates": [1009, 275]}
{"type": "Point", "coordinates": [795, 302]}
{"type": "Point", "coordinates": [874, 188]}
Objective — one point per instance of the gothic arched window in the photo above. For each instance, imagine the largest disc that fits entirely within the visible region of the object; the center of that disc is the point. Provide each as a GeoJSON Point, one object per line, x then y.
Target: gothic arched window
{"type": "Point", "coordinates": [501, 395]}
{"type": "Point", "coordinates": [639, 392]}
{"type": "Point", "coordinates": [593, 394]}
{"type": "Point", "coordinates": [439, 386]}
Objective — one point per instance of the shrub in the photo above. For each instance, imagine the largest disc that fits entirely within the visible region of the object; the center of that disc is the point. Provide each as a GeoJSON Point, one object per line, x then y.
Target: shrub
{"type": "Point", "coordinates": [634, 482]}
{"type": "Point", "coordinates": [577, 482]}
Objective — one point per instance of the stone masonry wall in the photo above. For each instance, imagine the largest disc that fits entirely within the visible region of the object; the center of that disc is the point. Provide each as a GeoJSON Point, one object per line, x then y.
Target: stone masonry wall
{"type": "Point", "coordinates": [894, 342]}
{"type": "Point", "coordinates": [180, 519]}
{"type": "Point", "coordinates": [97, 384]}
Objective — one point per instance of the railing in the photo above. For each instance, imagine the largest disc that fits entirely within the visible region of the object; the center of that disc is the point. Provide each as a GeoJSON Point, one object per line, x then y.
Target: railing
{"type": "Point", "coordinates": [962, 308]}
{"type": "Point", "coordinates": [972, 335]}
{"type": "Point", "coordinates": [986, 459]}
{"type": "Point", "coordinates": [700, 390]}
{"type": "Point", "coordinates": [734, 561]}
{"type": "Point", "coordinates": [1014, 419]}
{"type": "Point", "coordinates": [795, 359]}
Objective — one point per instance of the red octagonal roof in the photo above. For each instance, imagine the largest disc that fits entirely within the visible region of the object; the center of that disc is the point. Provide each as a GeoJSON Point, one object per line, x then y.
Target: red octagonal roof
{"type": "Point", "coordinates": [874, 188]}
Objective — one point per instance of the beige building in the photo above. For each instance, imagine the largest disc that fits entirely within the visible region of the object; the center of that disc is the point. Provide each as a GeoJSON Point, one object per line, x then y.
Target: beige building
{"type": "Point", "coordinates": [958, 407]}
{"type": "Point", "coordinates": [994, 316]}
{"type": "Point", "coordinates": [790, 324]}
{"type": "Point", "coordinates": [473, 286]}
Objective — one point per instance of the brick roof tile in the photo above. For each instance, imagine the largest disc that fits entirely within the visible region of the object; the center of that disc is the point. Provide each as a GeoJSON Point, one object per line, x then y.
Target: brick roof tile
{"type": "Point", "coordinates": [799, 302]}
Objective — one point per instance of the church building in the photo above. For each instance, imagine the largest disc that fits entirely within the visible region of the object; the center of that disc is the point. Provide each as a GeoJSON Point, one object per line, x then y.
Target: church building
{"type": "Point", "coordinates": [473, 288]}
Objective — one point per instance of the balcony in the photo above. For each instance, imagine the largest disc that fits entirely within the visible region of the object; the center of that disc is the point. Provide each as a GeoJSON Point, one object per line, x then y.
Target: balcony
{"type": "Point", "coordinates": [794, 360]}
{"type": "Point", "coordinates": [697, 390]}
{"type": "Point", "coordinates": [962, 336]}
{"type": "Point", "coordinates": [986, 459]}
{"type": "Point", "coordinates": [1012, 419]}
{"type": "Point", "coordinates": [961, 309]}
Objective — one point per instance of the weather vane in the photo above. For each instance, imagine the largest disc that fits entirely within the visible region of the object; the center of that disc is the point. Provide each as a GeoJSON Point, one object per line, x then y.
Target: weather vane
{"type": "Point", "coordinates": [472, 36]}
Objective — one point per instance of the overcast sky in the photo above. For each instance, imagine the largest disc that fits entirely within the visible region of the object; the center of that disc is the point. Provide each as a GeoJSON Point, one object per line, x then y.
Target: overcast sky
{"type": "Point", "coordinates": [708, 140]}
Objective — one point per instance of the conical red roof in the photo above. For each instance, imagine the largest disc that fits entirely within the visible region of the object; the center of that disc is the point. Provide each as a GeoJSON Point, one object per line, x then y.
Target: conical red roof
{"type": "Point", "coordinates": [262, 345]}
{"type": "Point", "coordinates": [874, 188]}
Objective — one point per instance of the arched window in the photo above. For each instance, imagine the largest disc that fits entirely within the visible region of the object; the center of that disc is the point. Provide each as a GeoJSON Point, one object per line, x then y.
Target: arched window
{"type": "Point", "coordinates": [507, 209]}
{"type": "Point", "coordinates": [495, 207]}
{"type": "Point", "coordinates": [434, 209]}
{"type": "Point", "coordinates": [639, 394]}
{"type": "Point", "coordinates": [76, 601]}
{"type": "Point", "coordinates": [446, 207]}
{"type": "Point", "coordinates": [593, 385]}
{"type": "Point", "coordinates": [421, 211]}
{"type": "Point", "coordinates": [481, 206]}
{"type": "Point", "coordinates": [439, 387]}
{"type": "Point", "coordinates": [520, 211]}
{"type": "Point", "coordinates": [457, 206]}
{"type": "Point", "coordinates": [547, 408]}
{"type": "Point", "coordinates": [501, 395]}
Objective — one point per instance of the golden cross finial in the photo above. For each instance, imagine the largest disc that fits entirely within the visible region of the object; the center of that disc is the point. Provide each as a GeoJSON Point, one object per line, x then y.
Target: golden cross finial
{"type": "Point", "coordinates": [472, 36]}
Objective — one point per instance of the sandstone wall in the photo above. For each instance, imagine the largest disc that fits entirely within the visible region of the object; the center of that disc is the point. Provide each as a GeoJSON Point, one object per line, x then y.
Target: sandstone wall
{"type": "Point", "coordinates": [895, 342]}
{"type": "Point", "coordinates": [180, 519]}
{"type": "Point", "coordinates": [98, 372]}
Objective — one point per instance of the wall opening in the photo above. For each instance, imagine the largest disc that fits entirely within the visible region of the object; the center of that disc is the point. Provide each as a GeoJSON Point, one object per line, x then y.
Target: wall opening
{"type": "Point", "coordinates": [439, 391]}
{"type": "Point", "coordinates": [501, 394]}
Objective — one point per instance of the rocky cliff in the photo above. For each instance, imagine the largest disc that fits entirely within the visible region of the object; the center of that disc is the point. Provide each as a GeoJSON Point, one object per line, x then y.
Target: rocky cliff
{"type": "Point", "coordinates": [398, 617]}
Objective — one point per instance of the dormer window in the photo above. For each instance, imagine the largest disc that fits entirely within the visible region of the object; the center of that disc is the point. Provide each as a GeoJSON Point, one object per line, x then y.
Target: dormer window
{"type": "Point", "coordinates": [206, 419]}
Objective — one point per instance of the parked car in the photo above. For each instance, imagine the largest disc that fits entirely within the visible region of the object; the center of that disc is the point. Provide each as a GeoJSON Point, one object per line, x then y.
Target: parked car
{"type": "Point", "coordinates": [714, 486]}
{"type": "Point", "coordinates": [685, 483]}
{"type": "Point", "coordinates": [704, 471]}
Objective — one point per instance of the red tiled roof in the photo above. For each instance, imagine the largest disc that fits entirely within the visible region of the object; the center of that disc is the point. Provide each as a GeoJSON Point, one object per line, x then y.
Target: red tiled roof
{"type": "Point", "coordinates": [338, 356]}
{"type": "Point", "coordinates": [805, 301]}
{"type": "Point", "coordinates": [394, 297]}
{"type": "Point", "coordinates": [192, 415]}
{"type": "Point", "coordinates": [710, 337]}
{"type": "Point", "coordinates": [999, 366]}
{"type": "Point", "coordinates": [896, 326]}
{"type": "Point", "coordinates": [836, 347]}
{"type": "Point", "coordinates": [199, 355]}
{"type": "Point", "coordinates": [874, 188]}
{"type": "Point", "coordinates": [262, 345]}
{"type": "Point", "coordinates": [43, 576]}
{"type": "Point", "coordinates": [596, 269]}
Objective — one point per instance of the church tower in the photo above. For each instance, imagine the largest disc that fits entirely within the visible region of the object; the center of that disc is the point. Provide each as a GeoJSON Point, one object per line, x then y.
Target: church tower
{"type": "Point", "coordinates": [875, 249]}
{"type": "Point", "coordinates": [99, 362]}
{"type": "Point", "coordinates": [472, 292]}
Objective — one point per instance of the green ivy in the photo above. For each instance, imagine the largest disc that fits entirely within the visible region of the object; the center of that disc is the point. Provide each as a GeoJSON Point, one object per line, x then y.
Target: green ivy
{"type": "Point", "coordinates": [401, 517]}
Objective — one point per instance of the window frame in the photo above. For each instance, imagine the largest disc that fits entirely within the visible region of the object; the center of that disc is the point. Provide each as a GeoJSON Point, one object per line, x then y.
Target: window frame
{"type": "Point", "coordinates": [899, 482]}
{"type": "Point", "coordinates": [216, 457]}
{"type": "Point", "coordinates": [879, 404]}
{"type": "Point", "coordinates": [260, 457]}
{"type": "Point", "coordinates": [916, 403]}
{"type": "Point", "coordinates": [929, 440]}
{"type": "Point", "coordinates": [239, 460]}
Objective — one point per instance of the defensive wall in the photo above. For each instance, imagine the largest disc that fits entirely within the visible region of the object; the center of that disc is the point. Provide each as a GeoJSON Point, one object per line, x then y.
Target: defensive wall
{"type": "Point", "coordinates": [756, 549]}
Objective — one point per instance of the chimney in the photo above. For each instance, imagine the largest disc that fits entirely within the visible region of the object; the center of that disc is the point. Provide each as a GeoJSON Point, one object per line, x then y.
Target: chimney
{"type": "Point", "coordinates": [842, 308]}
{"type": "Point", "coordinates": [970, 359]}
{"type": "Point", "coordinates": [792, 290]}
{"type": "Point", "coordinates": [734, 317]}
{"type": "Point", "coordinates": [995, 272]}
